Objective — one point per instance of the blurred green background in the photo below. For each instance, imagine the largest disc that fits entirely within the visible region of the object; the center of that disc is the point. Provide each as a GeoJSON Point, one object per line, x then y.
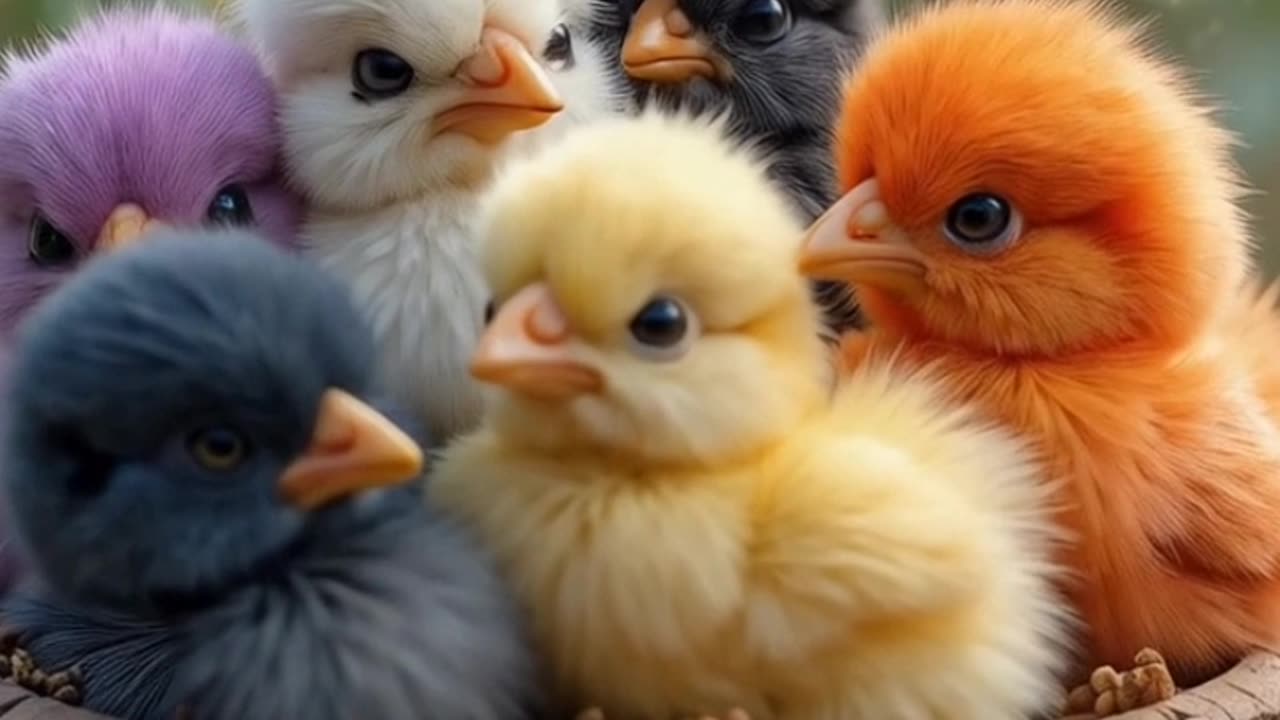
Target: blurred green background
{"type": "Point", "coordinates": [1235, 44]}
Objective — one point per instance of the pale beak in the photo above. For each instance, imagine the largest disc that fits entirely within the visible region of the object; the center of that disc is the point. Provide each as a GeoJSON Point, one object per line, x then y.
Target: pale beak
{"type": "Point", "coordinates": [528, 348]}
{"type": "Point", "coordinates": [353, 448]}
{"type": "Point", "coordinates": [507, 91]}
{"type": "Point", "coordinates": [855, 241]}
{"type": "Point", "coordinates": [661, 46]}
{"type": "Point", "coordinates": [124, 226]}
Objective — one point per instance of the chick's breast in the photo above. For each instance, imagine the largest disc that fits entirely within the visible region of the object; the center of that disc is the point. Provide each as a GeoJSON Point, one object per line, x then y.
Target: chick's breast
{"type": "Point", "coordinates": [816, 581]}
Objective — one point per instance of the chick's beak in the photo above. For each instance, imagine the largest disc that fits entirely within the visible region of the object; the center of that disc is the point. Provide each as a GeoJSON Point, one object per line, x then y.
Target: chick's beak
{"type": "Point", "coordinates": [855, 241]}
{"type": "Point", "coordinates": [124, 226]}
{"type": "Point", "coordinates": [527, 348]}
{"type": "Point", "coordinates": [507, 91]}
{"type": "Point", "coordinates": [661, 46]}
{"type": "Point", "coordinates": [353, 448]}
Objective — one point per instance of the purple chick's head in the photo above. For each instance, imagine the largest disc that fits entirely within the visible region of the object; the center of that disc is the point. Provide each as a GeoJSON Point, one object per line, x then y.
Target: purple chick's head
{"type": "Point", "coordinates": [136, 116]}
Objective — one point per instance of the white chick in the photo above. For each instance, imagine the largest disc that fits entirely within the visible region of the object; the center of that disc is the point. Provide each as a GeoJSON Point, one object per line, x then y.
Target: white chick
{"type": "Point", "coordinates": [396, 114]}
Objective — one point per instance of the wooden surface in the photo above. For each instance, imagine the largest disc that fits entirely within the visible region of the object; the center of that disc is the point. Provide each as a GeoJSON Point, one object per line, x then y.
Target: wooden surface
{"type": "Point", "coordinates": [20, 704]}
{"type": "Point", "coordinates": [1251, 691]}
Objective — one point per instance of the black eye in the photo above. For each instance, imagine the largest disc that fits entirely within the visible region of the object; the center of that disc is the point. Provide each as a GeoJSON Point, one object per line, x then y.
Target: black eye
{"type": "Point", "coordinates": [663, 329]}
{"type": "Point", "coordinates": [47, 246]}
{"type": "Point", "coordinates": [230, 207]}
{"type": "Point", "coordinates": [217, 449]}
{"type": "Point", "coordinates": [489, 310]}
{"type": "Point", "coordinates": [559, 50]}
{"type": "Point", "coordinates": [763, 21]}
{"type": "Point", "coordinates": [379, 74]}
{"type": "Point", "coordinates": [982, 223]}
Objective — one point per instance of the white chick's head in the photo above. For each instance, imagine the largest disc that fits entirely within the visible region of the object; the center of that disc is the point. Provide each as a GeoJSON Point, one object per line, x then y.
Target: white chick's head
{"type": "Point", "coordinates": [389, 100]}
{"type": "Point", "coordinates": [646, 304]}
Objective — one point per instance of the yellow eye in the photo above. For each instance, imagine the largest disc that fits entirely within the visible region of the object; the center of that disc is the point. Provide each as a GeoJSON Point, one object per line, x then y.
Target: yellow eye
{"type": "Point", "coordinates": [217, 449]}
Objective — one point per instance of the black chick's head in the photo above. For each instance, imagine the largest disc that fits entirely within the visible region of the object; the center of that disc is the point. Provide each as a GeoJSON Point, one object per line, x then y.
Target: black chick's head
{"type": "Point", "coordinates": [775, 66]}
{"type": "Point", "coordinates": [177, 412]}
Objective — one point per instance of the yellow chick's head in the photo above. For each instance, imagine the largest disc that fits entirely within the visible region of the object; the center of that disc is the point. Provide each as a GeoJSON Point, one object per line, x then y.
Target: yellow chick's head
{"type": "Point", "coordinates": [645, 301]}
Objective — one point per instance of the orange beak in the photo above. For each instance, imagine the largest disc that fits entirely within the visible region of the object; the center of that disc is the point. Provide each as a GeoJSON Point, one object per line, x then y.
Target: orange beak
{"type": "Point", "coordinates": [662, 47]}
{"type": "Point", "coordinates": [528, 348]}
{"type": "Point", "coordinates": [855, 241]}
{"type": "Point", "coordinates": [353, 448]}
{"type": "Point", "coordinates": [507, 91]}
{"type": "Point", "coordinates": [124, 226]}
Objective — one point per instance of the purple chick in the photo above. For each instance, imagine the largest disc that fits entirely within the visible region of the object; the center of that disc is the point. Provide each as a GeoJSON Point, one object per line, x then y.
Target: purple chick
{"type": "Point", "coordinates": [133, 119]}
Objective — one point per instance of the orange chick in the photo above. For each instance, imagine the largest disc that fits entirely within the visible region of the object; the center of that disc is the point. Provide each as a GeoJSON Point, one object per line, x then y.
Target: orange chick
{"type": "Point", "coordinates": [1042, 208]}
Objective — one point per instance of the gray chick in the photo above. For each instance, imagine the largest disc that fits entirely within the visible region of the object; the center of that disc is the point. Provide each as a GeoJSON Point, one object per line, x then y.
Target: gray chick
{"type": "Point", "coordinates": [219, 521]}
{"type": "Point", "coordinates": [776, 66]}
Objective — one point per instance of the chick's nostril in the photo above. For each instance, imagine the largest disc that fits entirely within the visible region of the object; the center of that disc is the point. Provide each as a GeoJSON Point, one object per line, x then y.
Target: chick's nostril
{"type": "Point", "coordinates": [868, 221]}
{"type": "Point", "coordinates": [490, 65]}
{"type": "Point", "coordinates": [678, 23]}
{"type": "Point", "coordinates": [546, 325]}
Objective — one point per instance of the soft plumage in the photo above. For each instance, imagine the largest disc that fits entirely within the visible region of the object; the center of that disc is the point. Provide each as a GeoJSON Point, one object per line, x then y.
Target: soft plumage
{"type": "Point", "coordinates": [100, 130]}
{"type": "Point", "coordinates": [1062, 241]}
{"type": "Point", "coordinates": [196, 478]}
{"type": "Point", "coordinates": [691, 519]}
{"type": "Point", "coordinates": [368, 88]}
{"type": "Point", "coordinates": [775, 65]}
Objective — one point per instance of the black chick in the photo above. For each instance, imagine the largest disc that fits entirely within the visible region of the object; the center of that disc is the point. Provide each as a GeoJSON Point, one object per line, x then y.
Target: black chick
{"type": "Point", "coordinates": [776, 66]}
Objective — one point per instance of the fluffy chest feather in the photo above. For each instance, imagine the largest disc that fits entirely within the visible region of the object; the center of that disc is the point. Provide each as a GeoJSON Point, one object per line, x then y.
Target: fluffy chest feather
{"type": "Point", "coordinates": [1171, 466]}
{"type": "Point", "coordinates": [391, 622]}
{"type": "Point", "coordinates": [413, 268]}
{"type": "Point", "coordinates": [636, 590]}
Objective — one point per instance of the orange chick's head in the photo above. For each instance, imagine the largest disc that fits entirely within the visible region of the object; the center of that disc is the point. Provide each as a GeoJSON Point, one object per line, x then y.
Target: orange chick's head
{"type": "Point", "coordinates": [646, 303]}
{"type": "Point", "coordinates": [1027, 177]}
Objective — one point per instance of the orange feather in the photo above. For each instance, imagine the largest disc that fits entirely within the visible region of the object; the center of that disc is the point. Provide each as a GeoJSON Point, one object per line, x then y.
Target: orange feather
{"type": "Point", "coordinates": [1118, 328]}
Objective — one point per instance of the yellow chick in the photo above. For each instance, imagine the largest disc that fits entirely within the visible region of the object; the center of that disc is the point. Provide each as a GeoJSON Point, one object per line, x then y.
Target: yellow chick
{"type": "Point", "coordinates": [691, 518]}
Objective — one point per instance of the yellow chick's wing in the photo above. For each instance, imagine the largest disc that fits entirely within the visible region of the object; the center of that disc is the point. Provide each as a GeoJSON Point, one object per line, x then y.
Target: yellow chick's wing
{"type": "Point", "coordinates": [663, 482]}
{"type": "Point", "coordinates": [901, 559]}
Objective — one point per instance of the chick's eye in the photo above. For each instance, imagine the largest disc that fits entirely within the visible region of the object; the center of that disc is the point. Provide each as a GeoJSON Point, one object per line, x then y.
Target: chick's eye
{"type": "Point", "coordinates": [559, 50]}
{"type": "Point", "coordinates": [982, 223]}
{"type": "Point", "coordinates": [664, 329]}
{"type": "Point", "coordinates": [489, 309]}
{"type": "Point", "coordinates": [763, 21]}
{"type": "Point", "coordinates": [217, 449]}
{"type": "Point", "coordinates": [47, 246]}
{"type": "Point", "coordinates": [230, 207]}
{"type": "Point", "coordinates": [378, 74]}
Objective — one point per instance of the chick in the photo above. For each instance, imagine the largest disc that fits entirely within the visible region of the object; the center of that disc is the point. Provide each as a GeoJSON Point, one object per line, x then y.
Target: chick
{"type": "Point", "coordinates": [396, 114]}
{"type": "Point", "coordinates": [776, 65]}
{"type": "Point", "coordinates": [103, 136]}
{"type": "Point", "coordinates": [1063, 241]}
{"type": "Point", "coordinates": [692, 521]}
{"type": "Point", "coordinates": [194, 465]}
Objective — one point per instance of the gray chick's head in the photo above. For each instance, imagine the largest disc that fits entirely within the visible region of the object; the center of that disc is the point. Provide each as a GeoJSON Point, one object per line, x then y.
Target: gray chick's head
{"type": "Point", "coordinates": [179, 409]}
